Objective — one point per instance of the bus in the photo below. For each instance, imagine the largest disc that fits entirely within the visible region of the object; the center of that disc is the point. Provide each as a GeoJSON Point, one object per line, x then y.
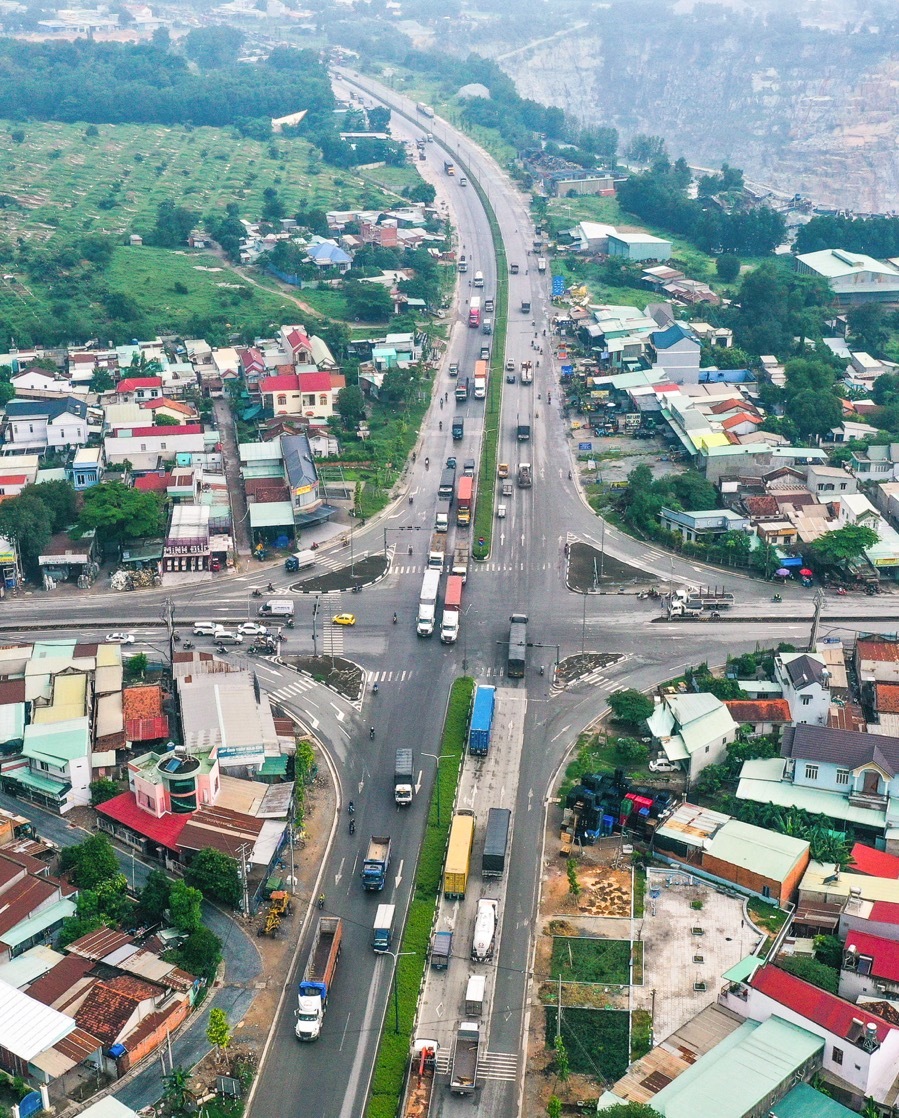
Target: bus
{"type": "Point", "coordinates": [458, 854]}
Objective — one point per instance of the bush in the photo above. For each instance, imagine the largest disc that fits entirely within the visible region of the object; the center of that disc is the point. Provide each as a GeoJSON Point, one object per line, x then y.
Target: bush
{"type": "Point", "coordinates": [630, 706]}
{"type": "Point", "coordinates": [810, 970]}
{"type": "Point", "coordinates": [102, 790]}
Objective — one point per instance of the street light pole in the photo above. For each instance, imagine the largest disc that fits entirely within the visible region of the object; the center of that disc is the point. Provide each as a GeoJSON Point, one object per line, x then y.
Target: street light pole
{"type": "Point", "coordinates": [434, 757]}
{"type": "Point", "coordinates": [396, 956]}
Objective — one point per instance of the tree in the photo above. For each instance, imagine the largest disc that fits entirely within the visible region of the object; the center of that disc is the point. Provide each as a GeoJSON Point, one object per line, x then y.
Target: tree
{"type": "Point", "coordinates": [173, 225]}
{"type": "Point", "coordinates": [727, 267]}
{"type": "Point", "coordinates": [101, 381]}
{"type": "Point", "coordinates": [645, 149]}
{"type": "Point", "coordinates": [60, 500]}
{"type": "Point", "coordinates": [868, 328]}
{"type": "Point", "coordinates": [563, 1064]}
{"type": "Point", "coordinates": [29, 525]}
{"type": "Point", "coordinates": [200, 954]}
{"type": "Point", "coordinates": [370, 302]}
{"type": "Point", "coordinates": [554, 1107]}
{"type": "Point", "coordinates": [163, 420]}
{"type": "Point", "coordinates": [102, 790]}
{"type": "Point", "coordinates": [213, 47]}
{"type": "Point", "coordinates": [379, 118]}
{"type": "Point", "coordinates": [185, 906]}
{"type": "Point", "coordinates": [118, 512]}
{"type": "Point", "coordinates": [814, 413]}
{"type": "Point", "coordinates": [89, 862]}
{"type": "Point", "coordinates": [218, 1031]}
{"type": "Point", "coordinates": [350, 408]}
{"type": "Point", "coordinates": [273, 208]}
{"type": "Point", "coordinates": [215, 874]}
{"type": "Point", "coordinates": [154, 897]}
{"type": "Point", "coordinates": [176, 1090]}
{"type": "Point", "coordinates": [842, 546]}
{"type": "Point", "coordinates": [136, 665]}
{"type": "Point", "coordinates": [829, 951]}
{"type": "Point", "coordinates": [630, 706]}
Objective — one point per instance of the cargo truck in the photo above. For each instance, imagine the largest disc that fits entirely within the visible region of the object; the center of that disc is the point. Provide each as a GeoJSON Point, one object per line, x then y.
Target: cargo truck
{"type": "Point", "coordinates": [524, 475]}
{"type": "Point", "coordinates": [484, 937]}
{"type": "Point", "coordinates": [480, 380]}
{"type": "Point", "coordinates": [441, 517]}
{"type": "Point", "coordinates": [487, 327]}
{"type": "Point", "coordinates": [458, 429]}
{"type": "Point", "coordinates": [489, 306]}
{"type": "Point", "coordinates": [299, 560]}
{"type": "Point", "coordinates": [277, 607]}
{"type": "Point", "coordinates": [527, 373]}
{"type": "Point", "coordinates": [425, 110]}
{"type": "Point", "coordinates": [441, 950]}
{"type": "Point", "coordinates": [466, 1057]}
{"type": "Point", "coordinates": [427, 601]}
{"type": "Point", "coordinates": [317, 977]}
{"type": "Point", "coordinates": [518, 645]}
{"type": "Point", "coordinates": [478, 280]}
{"type": "Point", "coordinates": [436, 552]}
{"type": "Point", "coordinates": [447, 484]}
{"type": "Point", "coordinates": [481, 720]}
{"type": "Point", "coordinates": [496, 842]}
{"type": "Point", "coordinates": [376, 864]}
{"type": "Point", "coordinates": [452, 608]}
{"type": "Point", "coordinates": [523, 432]}
{"type": "Point", "coordinates": [464, 500]}
{"type": "Point", "coordinates": [449, 167]}
{"type": "Point", "coordinates": [382, 931]}
{"type": "Point", "coordinates": [474, 312]}
{"type": "Point", "coordinates": [403, 777]}
{"type": "Point", "coordinates": [474, 995]}
{"type": "Point", "coordinates": [541, 264]}
{"type": "Point", "coordinates": [458, 855]}
{"type": "Point", "coordinates": [461, 390]}
{"type": "Point", "coordinates": [420, 1082]}
{"type": "Point", "coordinates": [460, 561]}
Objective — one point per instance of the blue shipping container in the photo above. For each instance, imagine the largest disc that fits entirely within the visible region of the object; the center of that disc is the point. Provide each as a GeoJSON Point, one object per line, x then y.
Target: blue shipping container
{"type": "Point", "coordinates": [481, 721]}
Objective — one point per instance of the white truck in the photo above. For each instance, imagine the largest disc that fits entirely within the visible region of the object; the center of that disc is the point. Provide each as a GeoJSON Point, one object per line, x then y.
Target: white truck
{"type": "Point", "coordinates": [541, 264]}
{"type": "Point", "coordinates": [437, 552]}
{"type": "Point", "coordinates": [460, 561]}
{"type": "Point", "coordinates": [427, 603]}
{"type": "Point", "coordinates": [277, 607]}
{"type": "Point", "coordinates": [317, 978]}
{"type": "Point", "coordinates": [484, 931]}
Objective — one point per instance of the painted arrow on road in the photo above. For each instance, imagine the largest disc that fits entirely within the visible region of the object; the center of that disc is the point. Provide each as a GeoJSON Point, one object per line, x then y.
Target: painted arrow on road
{"type": "Point", "coordinates": [399, 876]}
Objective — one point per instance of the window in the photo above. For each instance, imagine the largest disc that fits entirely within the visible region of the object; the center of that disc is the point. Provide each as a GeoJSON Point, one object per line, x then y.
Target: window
{"type": "Point", "coordinates": [842, 776]}
{"type": "Point", "coordinates": [282, 399]}
{"type": "Point", "coordinates": [843, 485]}
{"type": "Point", "coordinates": [143, 446]}
{"type": "Point", "coordinates": [811, 772]}
{"type": "Point", "coordinates": [837, 1055]}
{"type": "Point", "coordinates": [162, 446]}
{"type": "Point", "coordinates": [806, 699]}
{"type": "Point", "coordinates": [323, 400]}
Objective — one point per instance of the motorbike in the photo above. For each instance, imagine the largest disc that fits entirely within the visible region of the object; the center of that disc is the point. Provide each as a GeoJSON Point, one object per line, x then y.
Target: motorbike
{"type": "Point", "coordinates": [542, 669]}
{"type": "Point", "coordinates": [569, 475]}
{"type": "Point", "coordinates": [776, 598]}
{"type": "Point", "coordinates": [842, 592]}
{"type": "Point", "coordinates": [351, 808]}
{"type": "Point", "coordinates": [440, 425]}
{"type": "Point", "coordinates": [352, 826]}
{"type": "Point", "coordinates": [394, 619]}
{"type": "Point", "coordinates": [357, 589]}
{"type": "Point", "coordinates": [427, 463]}
{"type": "Point", "coordinates": [176, 638]}
{"type": "Point", "coordinates": [271, 587]}
{"type": "Point", "coordinates": [313, 547]}
{"type": "Point", "coordinates": [410, 548]}
{"type": "Point", "coordinates": [221, 650]}
{"type": "Point", "coordinates": [714, 614]}
{"type": "Point", "coordinates": [410, 500]}
{"type": "Point", "coordinates": [257, 593]}
{"type": "Point", "coordinates": [371, 733]}
{"type": "Point", "coordinates": [290, 623]}
{"type": "Point", "coordinates": [188, 645]}
{"type": "Point", "coordinates": [321, 900]}
{"type": "Point", "coordinates": [375, 687]}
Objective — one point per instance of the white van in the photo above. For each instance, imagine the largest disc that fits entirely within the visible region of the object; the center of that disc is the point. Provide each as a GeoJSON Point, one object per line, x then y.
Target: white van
{"type": "Point", "coordinates": [277, 607]}
{"type": "Point", "coordinates": [227, 636]}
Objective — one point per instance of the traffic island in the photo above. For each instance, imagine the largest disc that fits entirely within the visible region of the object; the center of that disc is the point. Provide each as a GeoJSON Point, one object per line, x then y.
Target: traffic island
{"type": "Point", "coordinates": [591, 570]}
{"type": "Point", "coordinates": [360, 572]}
{"type": "Point", "coordinates": [575, 668]}
{"type": "Point", "coordinates": [342, 676]}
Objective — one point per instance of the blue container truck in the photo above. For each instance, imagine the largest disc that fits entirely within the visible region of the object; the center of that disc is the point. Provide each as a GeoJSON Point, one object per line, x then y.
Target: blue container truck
{"type": "Point", "coordinates": [481, 721]}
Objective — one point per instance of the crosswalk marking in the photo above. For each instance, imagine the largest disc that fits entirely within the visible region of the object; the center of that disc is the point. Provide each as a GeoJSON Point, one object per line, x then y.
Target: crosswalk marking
{"type": "Point", "coordinates": [380, 677]}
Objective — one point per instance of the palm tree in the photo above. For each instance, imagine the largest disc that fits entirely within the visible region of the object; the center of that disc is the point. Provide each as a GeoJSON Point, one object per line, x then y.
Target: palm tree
{"type": "Point", "coordinates": [176, 1091]}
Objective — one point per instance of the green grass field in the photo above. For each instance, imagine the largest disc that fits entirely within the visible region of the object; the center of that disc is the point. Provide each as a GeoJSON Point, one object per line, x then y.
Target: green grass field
{"type": "Point", "coordinates": [61, 179]}
{"type": "Point", "coordinates": [590, 960]}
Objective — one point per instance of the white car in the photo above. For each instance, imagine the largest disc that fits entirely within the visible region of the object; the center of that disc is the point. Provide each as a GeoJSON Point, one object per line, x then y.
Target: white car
{"type": "Point", "coordinates": [120, 638]}
{"type": "Point", "coordinates": [663, 765]}
{"type": "Point", "coordinates": [252, 629]}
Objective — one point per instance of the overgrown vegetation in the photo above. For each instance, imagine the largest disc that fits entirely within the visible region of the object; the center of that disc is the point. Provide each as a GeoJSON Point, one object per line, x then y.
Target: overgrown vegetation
{"type": "Point", "coordinates": [596, 1041]}
{"type": "Point", "coordinates": [393, 1053]}
{"type": "Point", "coordinates": [579, 959]}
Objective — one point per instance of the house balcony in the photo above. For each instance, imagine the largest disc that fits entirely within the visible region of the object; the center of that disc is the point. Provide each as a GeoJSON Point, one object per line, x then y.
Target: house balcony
{"type": "Point", "coordinates": [873, 800]}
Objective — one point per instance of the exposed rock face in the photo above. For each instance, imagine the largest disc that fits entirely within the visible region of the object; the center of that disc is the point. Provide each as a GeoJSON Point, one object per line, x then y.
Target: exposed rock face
{"type": "Point", "coordinates": [799, 109]}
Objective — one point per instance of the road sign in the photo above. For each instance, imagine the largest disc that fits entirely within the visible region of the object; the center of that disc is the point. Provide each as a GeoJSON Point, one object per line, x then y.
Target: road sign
{"type": "Point", "coordinates": [558, 285]}
{"type": "Point", "coordinates": [585, 446]}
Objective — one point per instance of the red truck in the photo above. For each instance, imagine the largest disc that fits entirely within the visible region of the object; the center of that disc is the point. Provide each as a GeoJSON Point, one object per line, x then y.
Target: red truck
{"type": "Point", "coordinates": [452, 606]}
{"type": "Point", "coordinates": [474, 312]}
{"type": "Point", "coordinates": [464, 500]}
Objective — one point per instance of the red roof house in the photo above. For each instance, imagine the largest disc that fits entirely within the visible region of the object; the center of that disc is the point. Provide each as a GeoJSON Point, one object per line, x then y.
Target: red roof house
{"type": "Point", "coordinates": [874, 863]}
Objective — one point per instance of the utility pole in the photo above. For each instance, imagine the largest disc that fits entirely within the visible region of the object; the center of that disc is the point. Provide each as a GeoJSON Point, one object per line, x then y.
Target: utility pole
{"type": "Point", "coordinates": [244, 878]}
{"type": "Point", "coordinates": [816, 619]}
{"type": "Point", "coordinates": [559, 1010]}
{"type": "Point", "coordinates": [315, 607]}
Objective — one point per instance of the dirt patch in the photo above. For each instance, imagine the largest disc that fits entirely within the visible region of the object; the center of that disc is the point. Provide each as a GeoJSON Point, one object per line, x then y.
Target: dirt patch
{"type": "Point", "coordinates": [604, 892]}
{"type": "Point", "coordinates": [589, 569]}
{"type": "Point", "coordinates": [361, 572]}
{"type": "Point", "coordinates": [576, 667]}
{"type": "Point", "coordinates": [345, 677]}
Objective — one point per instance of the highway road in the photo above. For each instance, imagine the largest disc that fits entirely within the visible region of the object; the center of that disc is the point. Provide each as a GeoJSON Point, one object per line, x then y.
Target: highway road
{"type": "Point", "coordinates": [525, 572]}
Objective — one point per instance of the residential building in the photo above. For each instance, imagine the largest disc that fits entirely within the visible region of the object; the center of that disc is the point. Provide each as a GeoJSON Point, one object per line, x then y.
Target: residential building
{"type": "Point", "coordinates": [677, 350]}
{"type": "Point", "coordinates": [692, 730]}
{"type": "Point", "coordinates": [177, 410]}
{"type": "Point", "coordinates": [226, 712]}
{"type": "Point", "coordinates": [827, 482]}
{"type": "Point", "coordinates": [876, 661]}
{"type": "Point", "coordinates": [328, 254]}
{"type": "Point", "coordinates": [853, 277]}
{"type": "Point", "coordinates": [187, 541]}
{"type": "Point", "coordinates": [875, 463]}
{"type": "Point", "coordinates": [861, 1051]}
{"type": "Point", "coordinates": [39, 425]}
{"type": "Point", "coordinates": [804, 680]}
{"type": "Point", "coordinates": [308, 506]}
{"type": "Point", "coordinates": [86, 468]}
{"type": "Point", "coordinates": [144, 447]}
{"type": "Point", "coordinates": [297, 344]}
{"type": "Point", "coordinates": [137, 390]}
{"type": "Point", "coordinates": [870, 968]}
{"type": "Point", "coordinates": [704, 524]}
{"type": "Point", "coordinates": [640, 246]}
{"type": "Point", "coordinates": [311, 394]}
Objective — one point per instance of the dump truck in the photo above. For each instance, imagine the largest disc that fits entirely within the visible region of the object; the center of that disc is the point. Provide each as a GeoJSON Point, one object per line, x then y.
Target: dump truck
{"type": "Point", "coordinates": [496, 842]}
{"type": "Point", "coordinates": [452, 607]}
{"type": "Point", "coordinates": [461, 390]}
{"type": "Point", "coordinates": [377, 861]}
{"type": "Point", "coordinates": [484, 937]}
{"type": "Point", "coordinates": [420, 1084]}
{"type": "Point", "coordinates": [481, 720]}
{"type": "Point", "coordinates": [466, 1057]}
{"type": "Point", "coordinates": [403, 777]}
{"type": "Point", "coordinates": [437, 552]}
{"type": "Point", "coordinates": [527, 372]}
{"type": "Point", "coordinates": [518, 645]}
{"type": "Point", "coordinates": [317, 977]}
{"type": "Point", "coordinates": [427, 601]}
{"type": "Point", "coordinates": [524, 475]}
{"type": "Point", "coordinates": [460, 561]}
{"type": "Point", "coordinates": [449, 167]}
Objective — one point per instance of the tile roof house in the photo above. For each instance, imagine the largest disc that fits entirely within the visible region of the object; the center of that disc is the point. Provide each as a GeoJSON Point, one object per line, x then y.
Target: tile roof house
{"type": "Point", "coordinates": [804, 679]}
{"type": "Point", "coordinates": [144, 716]}
{"type": "Point", "coordinates": [695, 729]}
{"type": "Point", "coordinates": [874, 863]}
{"type": "Point", "coordinates": [138, 389]}
{"type": "Point", "coordinates": [877, 661]}
{"type": "Point", "coordinates": [113, 1007]}
{"type": "Point", "coordinates": [765, 716]}
{"type": "Point", "coordinates": [861, 1051]}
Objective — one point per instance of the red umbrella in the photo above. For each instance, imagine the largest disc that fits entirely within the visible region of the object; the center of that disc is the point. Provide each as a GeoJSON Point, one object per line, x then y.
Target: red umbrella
{"type": "Point", "coordinates": [806, 573]}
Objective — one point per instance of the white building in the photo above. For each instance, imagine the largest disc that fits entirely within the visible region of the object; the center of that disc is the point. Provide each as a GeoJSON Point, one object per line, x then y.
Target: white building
{"type": "Point", "coordinates": [804, 679]}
